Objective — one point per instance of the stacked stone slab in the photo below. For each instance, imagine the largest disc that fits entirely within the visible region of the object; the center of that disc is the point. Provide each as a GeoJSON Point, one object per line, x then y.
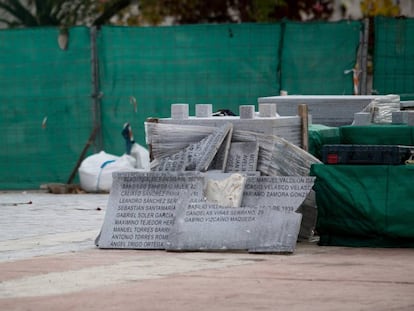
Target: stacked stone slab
{"type": "Point", "coordinates": [177, 207]}
{"type": "Point", "coordinates": [198, 156]}
{"type": "Point", "coordinates": [330, 110]}
{"type": "Point", "coordinates": [277, 156]}
{"type": "Point", "coordinates": [267, 121]}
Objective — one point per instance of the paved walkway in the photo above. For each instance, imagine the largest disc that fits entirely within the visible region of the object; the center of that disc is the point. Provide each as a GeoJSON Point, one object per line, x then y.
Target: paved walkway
{"type": "Point", "coordinates": [48, 261]}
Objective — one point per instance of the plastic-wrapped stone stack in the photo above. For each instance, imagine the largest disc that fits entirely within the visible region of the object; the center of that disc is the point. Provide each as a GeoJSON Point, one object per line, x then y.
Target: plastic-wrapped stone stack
{"type": "Point", "coordinates": [382, 108]}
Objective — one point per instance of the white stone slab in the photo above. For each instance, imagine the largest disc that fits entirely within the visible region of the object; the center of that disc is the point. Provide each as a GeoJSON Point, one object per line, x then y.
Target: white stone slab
{"type": "Point", "coordinates": [331, 110]}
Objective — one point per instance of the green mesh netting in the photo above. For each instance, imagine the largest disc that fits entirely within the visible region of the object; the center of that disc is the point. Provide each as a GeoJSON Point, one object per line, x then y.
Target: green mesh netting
{"type": "Point", "coordinates": [45, 92]}
{"type": "Point", "coordinates": [45, 105]}
{"type": "Point", "coordinates": [394, 57]}
{"type": "Point", "coordinates": [316, 55]}
{"type": "Point", "coordinates": [223, 65]}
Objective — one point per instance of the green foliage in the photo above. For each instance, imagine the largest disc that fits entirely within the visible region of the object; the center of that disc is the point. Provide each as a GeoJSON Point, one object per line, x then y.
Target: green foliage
{"type": "Point", "coordinates": [372, 8]}
{"type": "Point", "coordinates": [231, 11]}
{"type": "Point", "coordinates": [31, 13]}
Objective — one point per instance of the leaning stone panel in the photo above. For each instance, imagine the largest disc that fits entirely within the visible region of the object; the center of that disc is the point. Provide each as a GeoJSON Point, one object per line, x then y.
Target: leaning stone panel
{"type": "Point", "coordinates": [142, 206]}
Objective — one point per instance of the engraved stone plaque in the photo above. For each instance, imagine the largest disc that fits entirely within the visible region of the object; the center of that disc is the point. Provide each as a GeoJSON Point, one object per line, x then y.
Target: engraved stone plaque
{"type": "Point", "coordinates": [284, 193]}
{"type": "Point", "coordinates": [142, 206]}
{"type": "Point", "coordinates": [266, 221]}
{"type": "Point", "coordinates": [206, 226]}
{"type": "Point", "coordinates": [197, 156]}
{"type": "Point", "coordinates": [220, 160]}
{"type": "Point", "coordinates": [242, 157]}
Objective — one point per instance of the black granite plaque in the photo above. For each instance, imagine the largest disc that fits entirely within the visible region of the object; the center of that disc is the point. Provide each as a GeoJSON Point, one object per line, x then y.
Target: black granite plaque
{"type": "Point", "coordinates": [142, 206]}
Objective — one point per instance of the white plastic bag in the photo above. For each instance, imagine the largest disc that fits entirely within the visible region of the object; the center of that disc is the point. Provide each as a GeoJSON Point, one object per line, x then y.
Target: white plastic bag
{"type": "Point", "coordinates": [141, 156]}
{"type": "Point", "coordinates": [95, 172]}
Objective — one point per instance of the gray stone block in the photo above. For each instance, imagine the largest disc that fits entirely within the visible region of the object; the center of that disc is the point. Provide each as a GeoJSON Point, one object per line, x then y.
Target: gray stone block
{"type": "Point", "coordinates": [203, 110]}
{"type": "Point", "coordinates": [179, 111]}
{"type": "Point", "coordinates": [399, 117]}
{"type": "Point", "coordinates": [362, 118]}
{"type": "Point", "coordinates": [247, 111]}
{"type": "Point", "coordinates": [410, 118]}
{"type": "Point", "coordinates": [267, 110]}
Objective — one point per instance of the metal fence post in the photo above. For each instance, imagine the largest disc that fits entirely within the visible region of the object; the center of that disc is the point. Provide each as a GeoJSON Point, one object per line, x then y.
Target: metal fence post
{"type": "Point", "coordinates": [96, 95]}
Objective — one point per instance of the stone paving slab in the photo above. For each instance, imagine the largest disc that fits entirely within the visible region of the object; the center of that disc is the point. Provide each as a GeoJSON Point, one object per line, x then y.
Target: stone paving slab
{"type": "Point", "coordinates": [65, 271]}
{"type": "Point", "coordinates": [36, 223]}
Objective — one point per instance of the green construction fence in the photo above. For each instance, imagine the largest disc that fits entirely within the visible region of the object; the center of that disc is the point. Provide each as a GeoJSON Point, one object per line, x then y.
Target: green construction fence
{"type": "Point", "coordinates": [47, 94]}
{"type": "Point", "coordinates": [45, 102]}
{"type": "Point", "coordinates": [394, 57]}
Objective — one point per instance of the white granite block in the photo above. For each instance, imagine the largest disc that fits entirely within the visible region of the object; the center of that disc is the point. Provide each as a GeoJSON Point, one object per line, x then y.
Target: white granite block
{"type": "Point", "coordinates": [267, 110]}
{"type": "Point", "coordinates": [203, 110]}
{"type": "Point", "coordinates": [179, 111]}
{"type": "Point", "coordinates": [246, 111]}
